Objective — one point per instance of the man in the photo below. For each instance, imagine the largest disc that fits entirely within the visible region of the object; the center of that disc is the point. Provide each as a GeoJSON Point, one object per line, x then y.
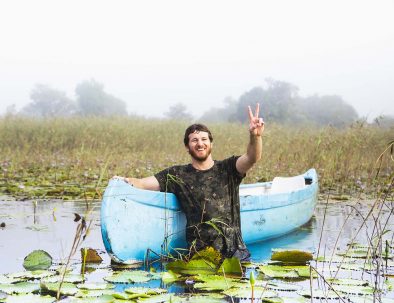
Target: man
{"type": "Point", "coordinates": [208, 190]}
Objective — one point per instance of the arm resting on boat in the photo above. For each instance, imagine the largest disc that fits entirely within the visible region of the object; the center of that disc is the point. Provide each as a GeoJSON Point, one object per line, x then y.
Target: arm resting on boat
{"type": "Point", "coordinates": [149, 183]}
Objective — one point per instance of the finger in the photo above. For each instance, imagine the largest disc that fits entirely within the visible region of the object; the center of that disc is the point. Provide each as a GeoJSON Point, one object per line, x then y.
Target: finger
{"type": "Point", "coordinates": [257, 110]}
{"type": "Point", "coordinates": [250, 114]}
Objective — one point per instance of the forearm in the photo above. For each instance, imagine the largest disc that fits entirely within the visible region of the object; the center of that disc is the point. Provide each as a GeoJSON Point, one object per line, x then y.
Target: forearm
{"type": "Point", "coordinates": [254, 149]}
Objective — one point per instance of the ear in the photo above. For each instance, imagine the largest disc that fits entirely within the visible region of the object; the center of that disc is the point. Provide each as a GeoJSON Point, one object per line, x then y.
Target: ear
{"type": "Point", "coordinates": [187, 149]}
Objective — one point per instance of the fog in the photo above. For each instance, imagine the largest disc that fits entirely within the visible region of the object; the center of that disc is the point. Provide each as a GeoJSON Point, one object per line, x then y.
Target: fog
{"type": "Point", "coordinates": [153, 54]}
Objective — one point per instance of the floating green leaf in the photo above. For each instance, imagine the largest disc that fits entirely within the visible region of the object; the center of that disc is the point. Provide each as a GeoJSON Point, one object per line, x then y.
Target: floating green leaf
{"type": "Point", "coordinates": [66, 288]}
{"type": "Point", "coordinates": [28, 275]}
{"type": "Point", "coordinates": [170, 276]}
{"type": "Point", "coordinates": [37, 260]}
{"type": "Point", "coordinates": [30, 298]}
{"type": "Point", "coordinates": [20, 288]}
{"type": "Point", "coordinates": [216, 283]}
{"type": "Point", "coordinates": [98, 285]}
{"type": "Point", "coordinates": [230, 267]}
{"type": "Point", "coordinates": [366, 299]}
{"type": "Point", "coordinates": [259, 292]}
{"type": "Point", "coordinates": [291, 256]}
{"type": "Point", "coordinates": [209, 254]}
{"type": "Point", "coordinates": [318, 293]}
{"type": "Point", "coordinates": [71, 278]}
{"type": "Point", "coordinates": [87, 293]}
{"type": "Point", "coordinates": [276, 271]}
{"type": "Point", "coordinates": [287, 300]}
{"type": "Point", "coordinates": [136, 276]}
{"type": "Point", "coordinates": [347, 282]}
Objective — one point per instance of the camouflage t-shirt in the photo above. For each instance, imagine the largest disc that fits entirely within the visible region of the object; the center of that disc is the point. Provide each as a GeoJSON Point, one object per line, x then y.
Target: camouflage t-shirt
{"type": "Point", "coordinates": [210, 200]}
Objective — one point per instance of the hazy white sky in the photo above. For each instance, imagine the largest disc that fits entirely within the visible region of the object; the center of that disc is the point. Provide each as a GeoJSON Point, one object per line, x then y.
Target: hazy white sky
{"type": "Point", "coordinates": [153, 54]}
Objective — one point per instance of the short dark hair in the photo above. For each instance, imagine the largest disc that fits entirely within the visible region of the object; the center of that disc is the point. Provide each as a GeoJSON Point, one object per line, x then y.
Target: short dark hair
{"type": "Point", "coordinates": [196, 128]}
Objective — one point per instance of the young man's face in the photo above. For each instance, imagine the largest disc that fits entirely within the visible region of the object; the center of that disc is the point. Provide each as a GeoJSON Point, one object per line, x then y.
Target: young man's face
{"type": "Point", "coordinates": [199, 146]}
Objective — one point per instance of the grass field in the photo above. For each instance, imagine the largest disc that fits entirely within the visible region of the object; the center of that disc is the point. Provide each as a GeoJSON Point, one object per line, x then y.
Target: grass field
{"type": "Point", "coordinates": [74, 158]}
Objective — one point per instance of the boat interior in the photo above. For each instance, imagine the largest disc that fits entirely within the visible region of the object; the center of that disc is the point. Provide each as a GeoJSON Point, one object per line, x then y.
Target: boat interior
{"type": "Point", "coordinates": [277, 186]}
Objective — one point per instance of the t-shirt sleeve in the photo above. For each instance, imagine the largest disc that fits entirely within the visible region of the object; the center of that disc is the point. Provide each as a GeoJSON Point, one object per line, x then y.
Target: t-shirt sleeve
{"type": "Point", "coordinates": [162, 178]}
{"type": "Point", "coordinates": [232, 168]}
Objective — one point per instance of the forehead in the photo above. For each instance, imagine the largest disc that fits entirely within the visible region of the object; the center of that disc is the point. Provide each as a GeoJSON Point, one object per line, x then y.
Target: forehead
{"type": "Point", "coordinates": [198, 134]}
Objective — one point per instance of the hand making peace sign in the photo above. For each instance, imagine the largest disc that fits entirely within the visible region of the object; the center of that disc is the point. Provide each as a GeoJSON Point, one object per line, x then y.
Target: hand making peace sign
{"type": "Point", "coordinates": [256, 124]}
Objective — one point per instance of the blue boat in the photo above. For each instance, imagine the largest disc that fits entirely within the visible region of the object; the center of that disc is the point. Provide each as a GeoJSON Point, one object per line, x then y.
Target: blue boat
{"type": "Point", "coordinates": [135, 220]}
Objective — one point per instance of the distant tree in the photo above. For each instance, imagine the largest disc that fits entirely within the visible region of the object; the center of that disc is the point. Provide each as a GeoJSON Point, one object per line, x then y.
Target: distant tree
{"type": "Point", "coordinates": [48, 102]}
{"type": "Point", "coordinates": [94, 101]}
{"type": "Point", "coordinates": [277, 101]}
{"type": "Point", "coordinates": [222, 114]}
{"type": "Point", "coordinates": [178, 112]}
{"type": "Point", "coordinates": [327, 110]}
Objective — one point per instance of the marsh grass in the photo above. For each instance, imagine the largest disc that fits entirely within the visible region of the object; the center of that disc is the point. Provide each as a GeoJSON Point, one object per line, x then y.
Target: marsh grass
{"type": "Point", "coordinates": [64, 158]}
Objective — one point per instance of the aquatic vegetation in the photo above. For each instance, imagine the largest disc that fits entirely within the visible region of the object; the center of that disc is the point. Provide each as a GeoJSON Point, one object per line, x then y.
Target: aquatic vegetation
{"type": "Point", "coordinates": [74, 158]}
{"type": "Point", "coordinates": [37, 260]}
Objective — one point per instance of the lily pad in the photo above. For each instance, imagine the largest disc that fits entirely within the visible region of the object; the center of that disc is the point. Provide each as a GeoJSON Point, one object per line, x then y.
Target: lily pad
{"type": "Point", "coordinates": [318, 293]}
{"type": "Point", "coordinates": [70, 278]}
{"type": "Point", "coordinates": [217, 283]}
{"type": "Point", "coordinates": [28, 275]}
{"type": "Point", "coordinates": [231, 267]}
{"type": "Point", "coordinates": [367, 299]}
{"type": "Point", "coordinates": [145, 290]}
{"type": "Point", "coordinates": [259, 292]}
{"type": "Point", "coordinates": [96, 286]}
{"type": "Point", "coordinates": [291, 256]}
{"type": "Point", "coordinates": [193, 267]}
{"type": "Point", "coordinates": [136, 276]}
{"type": "Point", "coordinates": [276, 271]}
{"type": "Point", "coordinates": [354, 289]}
{"type": "Point", "coordinates": [348, 282]}
{"type": "Point", "coordinates": [209, 254]}
{"type": "Point", "coordinates": [286, 300]}
{"type": "Point", "coordinates": [20, 288]}
{"type": "Point", "coordinates": [170, 276]}
{"type": "Point", "coordinates": [67, 289]}
{"type": "Point", "coordinates": [37, 260]}
{"type": "Point", "coordinates": [88, 293]}
{"type": "Point", "coordinates": [29, 298]}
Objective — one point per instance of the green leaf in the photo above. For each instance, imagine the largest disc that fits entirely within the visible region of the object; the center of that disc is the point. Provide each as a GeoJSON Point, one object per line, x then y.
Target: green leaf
{"type": "Point", "coordinates": [68, 289]}
{"type": "Point", "coordinates": [36, 274]}
{"type": "Point", "coordinates": [291, 256]}
{"type": "Point", "coordinates": [97, 286]}
{"type": "Point", "coordinates": [231, 267]}
{"type": "Point", "coordinates": [136, 276]}
{"type": "Point", "coordinates": [213, 282]}
{"type": "Point", "coordinates": [30, 298]}
{"type": "Point", "coordinates": [37, 260]}
{"type": "Point", "coordinates": [210, 254]}
{"type": "Point", "coordinates": [170, 276]}
{"type": "Point", "coordinates": [259, 292]}
{"type": "Point", "coordinates": [20, 288]}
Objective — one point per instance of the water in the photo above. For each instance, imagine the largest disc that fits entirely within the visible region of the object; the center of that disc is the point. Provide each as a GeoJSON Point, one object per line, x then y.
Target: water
{"type": "Point", "coordinates": [49, 225]}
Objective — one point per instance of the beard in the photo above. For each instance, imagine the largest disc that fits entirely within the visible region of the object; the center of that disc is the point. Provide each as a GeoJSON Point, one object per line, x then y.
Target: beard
{"type": "Point", "coordinates": [194, 154]}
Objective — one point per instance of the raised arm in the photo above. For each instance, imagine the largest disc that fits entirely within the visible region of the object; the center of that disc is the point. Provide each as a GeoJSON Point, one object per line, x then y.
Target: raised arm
{"type": "Point", "coordinates": [149, 183]}
{"type": "Point", "coordinates": [255, 146]}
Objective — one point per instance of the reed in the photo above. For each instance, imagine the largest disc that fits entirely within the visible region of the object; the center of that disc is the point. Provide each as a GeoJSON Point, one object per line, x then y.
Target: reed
{"type": "Point", "coordinates": [64, 158]}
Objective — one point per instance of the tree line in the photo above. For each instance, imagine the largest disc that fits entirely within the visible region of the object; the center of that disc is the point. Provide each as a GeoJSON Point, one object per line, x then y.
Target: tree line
{"type": "Point", "coordinates": [279, 100]}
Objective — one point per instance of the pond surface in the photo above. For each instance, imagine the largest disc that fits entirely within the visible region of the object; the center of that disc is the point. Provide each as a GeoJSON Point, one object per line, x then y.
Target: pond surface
{"type": "Point", "coordinates": [50, 226]}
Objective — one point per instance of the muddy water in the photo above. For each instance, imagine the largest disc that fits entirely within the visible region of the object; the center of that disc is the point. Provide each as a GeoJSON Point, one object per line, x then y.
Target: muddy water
{"type": "Point", "coordinates": [49, 225]}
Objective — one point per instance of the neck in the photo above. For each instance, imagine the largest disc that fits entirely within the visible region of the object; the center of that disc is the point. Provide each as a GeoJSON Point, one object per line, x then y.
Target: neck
{"type": "Point", "coordinates": [203, 165]}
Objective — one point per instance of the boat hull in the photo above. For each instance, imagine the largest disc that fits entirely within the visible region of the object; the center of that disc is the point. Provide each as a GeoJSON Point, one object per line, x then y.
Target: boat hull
{"type": "Point", "coordinates": [134, 220]}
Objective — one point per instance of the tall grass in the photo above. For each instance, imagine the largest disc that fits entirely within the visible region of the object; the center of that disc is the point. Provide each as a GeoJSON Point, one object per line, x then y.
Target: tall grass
{"type": "Point", "coordinates": [75, 150]}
